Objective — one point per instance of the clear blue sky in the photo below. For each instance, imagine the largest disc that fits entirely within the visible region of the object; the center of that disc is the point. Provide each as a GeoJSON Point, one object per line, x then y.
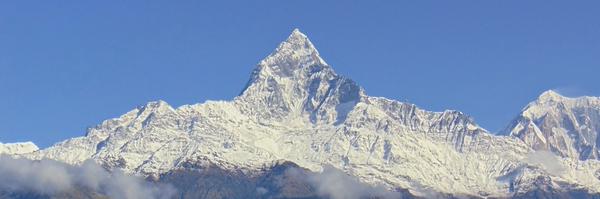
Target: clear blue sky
{"type": "Point", "coordinates": [68, 65]}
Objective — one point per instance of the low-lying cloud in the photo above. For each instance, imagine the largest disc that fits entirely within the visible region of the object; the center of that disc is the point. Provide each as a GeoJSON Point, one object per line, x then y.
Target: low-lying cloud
{"type": "Point", "coordinates": [48, 177]}
{"type": "Point", "coordinates": [335, 184]}
{"type": "Point", "coordinates": [549, 162]}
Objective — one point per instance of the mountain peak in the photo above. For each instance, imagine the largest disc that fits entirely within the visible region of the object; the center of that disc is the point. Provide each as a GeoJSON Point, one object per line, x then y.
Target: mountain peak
{"type": "Point", "coordinates": [295, 82]}
{"type": "Point", "coordinates": [296, 52]}
{"type": "Point", "coordinates": [294, 57]}
{"type": "Point", "coordinates": [297, 34]}
{"type": "Point", "coordinates": [17, 148]}
{"type": "Point", "coordinates": [550, 95]}
{"type": "Point", "coordinates": [155, 107]}
{"type": "Point", "coordinates": [296, 41]}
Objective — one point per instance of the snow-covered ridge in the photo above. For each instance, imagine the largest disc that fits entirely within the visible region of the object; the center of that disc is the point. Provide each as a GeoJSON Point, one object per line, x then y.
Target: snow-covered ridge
{"type": "Point", "coordinates": [296, 108]}
{"type": "Point", "coordinates": [566, 126]}
{"type": "Point", "coordinates": [17, 148]}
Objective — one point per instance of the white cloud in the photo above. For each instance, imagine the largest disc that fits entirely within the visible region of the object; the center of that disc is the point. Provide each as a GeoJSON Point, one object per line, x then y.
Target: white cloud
{"type": "Point", "coordinates": [51, 177]}
{"type": "Point", "coordinates": [335, 184]}
{"type": "Point", "coordinates": [549, 162]}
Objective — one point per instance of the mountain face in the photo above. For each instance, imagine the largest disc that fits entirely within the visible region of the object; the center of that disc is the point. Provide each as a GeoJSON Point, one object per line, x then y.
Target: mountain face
{"type": "Point", "coordinates": [566, 126]}
{"type": "Point", "coordinates": [294, 83]}
{"type": "Point", "coordinates": [17, 148]}
{"type": "Point", "coordinates": [295, 108]}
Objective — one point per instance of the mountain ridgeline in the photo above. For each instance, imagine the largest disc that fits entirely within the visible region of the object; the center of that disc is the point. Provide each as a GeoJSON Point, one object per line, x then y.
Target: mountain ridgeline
{"type": "Point", "coordinates": [566, 126]}
{"type": "Point", "coordinates": [299, 130]}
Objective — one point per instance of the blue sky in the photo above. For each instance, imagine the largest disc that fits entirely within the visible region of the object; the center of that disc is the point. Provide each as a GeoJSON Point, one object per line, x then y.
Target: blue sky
{"type": "Point", "coordinates": [68, 65]}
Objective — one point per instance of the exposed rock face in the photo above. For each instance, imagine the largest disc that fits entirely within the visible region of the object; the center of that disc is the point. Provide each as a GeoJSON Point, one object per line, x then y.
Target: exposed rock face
{"type": "Point", "coordinates": [566, 126]}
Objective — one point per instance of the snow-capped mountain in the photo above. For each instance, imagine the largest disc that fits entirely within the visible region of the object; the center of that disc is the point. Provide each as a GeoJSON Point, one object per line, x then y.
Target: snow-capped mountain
{"type": "Point", "coordinates": [17, 148]}
{"type": "Point", "coordinates": [566, 126]}
{"type": "Point", "coordinates": [296, 108]}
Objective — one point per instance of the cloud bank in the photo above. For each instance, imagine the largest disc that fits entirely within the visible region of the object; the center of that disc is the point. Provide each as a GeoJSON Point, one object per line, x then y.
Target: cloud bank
{"type": "Point", "coordinates": [335, 184]}
{"type": "Point", "coordinates": [48, 177]}
{"type": "Point", "coordinates": [547, 160]}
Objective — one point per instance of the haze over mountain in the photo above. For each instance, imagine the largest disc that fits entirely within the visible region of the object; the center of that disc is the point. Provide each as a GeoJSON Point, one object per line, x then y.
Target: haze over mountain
{"type": "Point", "coordinates": [297, 120]}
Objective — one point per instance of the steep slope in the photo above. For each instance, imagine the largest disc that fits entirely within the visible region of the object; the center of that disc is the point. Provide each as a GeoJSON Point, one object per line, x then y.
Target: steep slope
{"type": "Point", "coordinates": [296, 108]}
{"type": "Point", "coordinates": [566, 126]}
{"type": "Point", "coordinates": [17, 148]}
